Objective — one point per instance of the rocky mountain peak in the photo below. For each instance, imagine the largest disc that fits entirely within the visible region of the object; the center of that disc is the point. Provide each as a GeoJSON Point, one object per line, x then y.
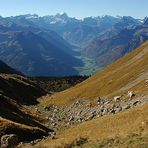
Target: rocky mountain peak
{"type": "Point", "coordinates": [146, 20]}
{"type": "Point", "coordinates": [62, 15]}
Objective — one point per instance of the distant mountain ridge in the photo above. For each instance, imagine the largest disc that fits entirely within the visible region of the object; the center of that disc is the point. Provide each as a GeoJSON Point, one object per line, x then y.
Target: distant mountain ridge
{"type": "Point", "coordinates": [59, 45]}
{"type": "Point", "coordinates": [35, 51]}
{"type": "Point", "coordinates": [79, 32]}
{"type": "Point", "coordinates": [76, 31]}
{"type": "Point", "coordinates": [106, 50]}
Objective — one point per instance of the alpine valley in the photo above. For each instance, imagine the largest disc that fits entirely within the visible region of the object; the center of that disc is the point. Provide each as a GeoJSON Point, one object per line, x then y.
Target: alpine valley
{"type": "Point", "coordinates": [60, 45]}
{"type": "Point", "coordinates": [71, 83]}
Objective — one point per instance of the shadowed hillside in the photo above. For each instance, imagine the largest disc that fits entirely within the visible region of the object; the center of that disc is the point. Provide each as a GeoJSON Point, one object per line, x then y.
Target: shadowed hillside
{"type": "Point", "coordinates": [16, 90]}
{"type": "Point", "coordinates": [4, 68]}
{"type": "Point", "coordinates": [15, 119]}
{"type": "Point", "coordinates": [20, 89]}
{"type": "Point", "coordinates": [34, 55]}
{"type": "Point", "coordinates": [57, 84]}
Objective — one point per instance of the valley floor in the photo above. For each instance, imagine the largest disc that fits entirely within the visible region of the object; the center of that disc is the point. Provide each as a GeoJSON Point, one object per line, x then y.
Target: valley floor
{"type": "Point", "coordinates": [89, 66]}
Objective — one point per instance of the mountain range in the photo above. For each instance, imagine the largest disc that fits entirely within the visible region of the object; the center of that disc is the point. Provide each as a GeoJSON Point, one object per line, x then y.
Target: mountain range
{"type": "Point", "coordinates": [106, 49]}
{"type": "Point", "coordinates": [60, 45]}
{"type": "Point", "coordinates": [36, 52]}
{"type": "Point", "coordinates": [80, 32]}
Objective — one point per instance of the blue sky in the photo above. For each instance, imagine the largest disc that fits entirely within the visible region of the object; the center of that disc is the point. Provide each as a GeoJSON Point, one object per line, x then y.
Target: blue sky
{"type": "Point", "coordinates": [75, 8]}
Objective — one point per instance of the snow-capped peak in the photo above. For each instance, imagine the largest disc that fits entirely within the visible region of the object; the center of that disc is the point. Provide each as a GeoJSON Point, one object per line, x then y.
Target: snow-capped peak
{"type": "Point", "coordinates": [31, 16]}
{"type": "Point", "coordinates": [61, 17]}
{"type": "Point", "coordinates": [62, 13]}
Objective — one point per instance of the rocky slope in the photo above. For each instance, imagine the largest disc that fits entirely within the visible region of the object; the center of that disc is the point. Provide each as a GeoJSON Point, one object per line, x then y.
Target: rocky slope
{"type": "Point", "coordinates": [125, 129]}
{"type": "Point", "coordinates": [57, 118]}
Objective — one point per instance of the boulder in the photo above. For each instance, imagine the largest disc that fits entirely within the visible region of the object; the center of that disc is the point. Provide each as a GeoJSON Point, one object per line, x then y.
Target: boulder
{"type": "Point", "coordinates": [98, 100]}
{"type": "Point", "coordinates": [48, 108]}
{"type": "Point", "coordinates": [118, 109]}
{"type": "Point", "coordinates": [136, 102]}
{"type": "Point", "coordinates": [52, 135]}
{"type": "Point", "coordinates": [9, 141]}
{"type": "Point", "coordinates": [90, 117]}
{"type": "Point", "coordinates": [131, 94]}
{"type": "Point", "coordinates": [117, 98]}
{"type": "Point", "coordinates": [71, 118]}
{"type": "Point", "coordinates": [127, 106]}
{"type": "Point", "coordinates": [77, 103]}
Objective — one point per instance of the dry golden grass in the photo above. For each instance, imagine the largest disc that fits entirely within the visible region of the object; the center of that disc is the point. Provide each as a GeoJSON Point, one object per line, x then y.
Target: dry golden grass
{"type": "Point", "coordinates": [130, 141]}
{"type": "Point", "coordinates": [118, 78]}
{"type": "Point", "coordinates": [130, 122]}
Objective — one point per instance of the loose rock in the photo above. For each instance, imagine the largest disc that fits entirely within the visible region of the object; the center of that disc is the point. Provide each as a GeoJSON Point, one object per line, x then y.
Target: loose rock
{"type": "Point", "coordinates": [117, 98]}
{"type": "Point", "coordinates": [9, 141]}
{"type": "Point", "coordinates": [131, 94]}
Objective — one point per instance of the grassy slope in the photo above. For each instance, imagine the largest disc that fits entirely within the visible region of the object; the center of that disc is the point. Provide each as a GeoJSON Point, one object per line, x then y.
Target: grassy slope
{"type": "Point", "coordinates": [128, 73]}
{"type": "Point", "coordinates": [123, 125]}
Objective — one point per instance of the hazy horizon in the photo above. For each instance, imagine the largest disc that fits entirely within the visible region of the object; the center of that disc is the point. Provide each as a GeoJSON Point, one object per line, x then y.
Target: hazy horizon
{"type": "Point", "coordinates": [69, 15]}
{"type": "Point", "coordinates": [75, 8]}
